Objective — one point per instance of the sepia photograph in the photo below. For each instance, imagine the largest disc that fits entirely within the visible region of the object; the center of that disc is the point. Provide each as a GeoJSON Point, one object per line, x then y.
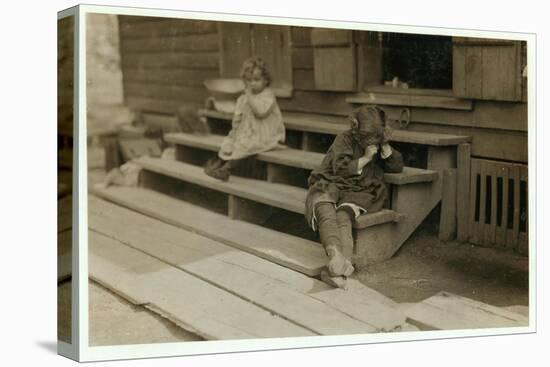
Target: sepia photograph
{"type": "Point", "coordinates": [250, 180]}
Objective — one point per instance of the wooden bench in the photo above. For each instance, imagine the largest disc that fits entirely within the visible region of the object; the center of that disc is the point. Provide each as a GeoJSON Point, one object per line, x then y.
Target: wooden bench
{"type": "Point", "coordinates": [295, 157]}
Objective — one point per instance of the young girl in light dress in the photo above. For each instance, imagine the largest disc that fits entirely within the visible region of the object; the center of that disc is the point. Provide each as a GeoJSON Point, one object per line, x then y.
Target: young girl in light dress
{"type": "Point", "coordinates": [257, 124]}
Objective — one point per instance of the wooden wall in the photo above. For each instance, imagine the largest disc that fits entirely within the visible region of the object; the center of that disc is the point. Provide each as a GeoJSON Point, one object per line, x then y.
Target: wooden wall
{"type": "Point", "coordinates": [165, 60]}
{"type": "Point", "coordinates": [65, 70]}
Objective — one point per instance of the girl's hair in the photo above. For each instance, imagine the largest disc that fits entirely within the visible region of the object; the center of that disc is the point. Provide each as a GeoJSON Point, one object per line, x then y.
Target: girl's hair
{"type": "Point", "coordinates": [252, 63]}
{"type": "Point", "coordinates": [369, 121]}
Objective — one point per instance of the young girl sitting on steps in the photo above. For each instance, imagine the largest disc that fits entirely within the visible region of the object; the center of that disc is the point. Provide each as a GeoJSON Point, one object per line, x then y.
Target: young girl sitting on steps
{"type": "Point", "coordinates": [257, 122]}
{"type": "Point", "coordinates": [349, 183]}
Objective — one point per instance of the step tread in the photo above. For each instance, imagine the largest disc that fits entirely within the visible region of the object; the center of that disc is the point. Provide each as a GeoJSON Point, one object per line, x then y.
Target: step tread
{"type": "Point", "coordinates": [296, 158]}
{"type": "Point", "coordinates": [292, 252]}
{"type": "Point", "coordinates": [282, 196]}
{"type": "Point", "coordinates": [302, 122]}
{"type": "Point", "coordinates": [325, 311]}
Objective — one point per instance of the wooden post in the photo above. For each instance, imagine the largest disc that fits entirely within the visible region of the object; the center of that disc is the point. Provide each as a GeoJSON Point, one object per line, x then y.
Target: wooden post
{"type": "Point", "coordinates": [447, 221]}
{"type": "Point", "coordinates": [247, 210]}
{"type": "Point", "coordinates": [463, 190]}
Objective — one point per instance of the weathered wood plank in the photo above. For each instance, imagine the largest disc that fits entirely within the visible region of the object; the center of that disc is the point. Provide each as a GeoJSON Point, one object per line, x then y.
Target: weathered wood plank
{"type": "Point", "coordinates": [318, 124]}
{"type": "Point", "coordinates": [164, 60]}
{"type": "Point", "coordinates": [302, 58]}
{"type": "Point", "coordinates": [446, 311]}
{"type": "Point", "coordinates": [282, 196]}
{"type": "Point", "coordinates": [289, 251]}
{"type": "Point", "coordinates": [158, 105]}
{"type": "Point", "coordinates": [272, 44]}
{"type": "Point", "coordinates": [193, 42]}
{"type": "Point", "coordinates": [301, 36]}
{"type": "Point", "coordinates": [331, 37]}
{"type": "Point", "coordinates": [235, 47]}
{"type": "Point", "coordinates": [166, 27]}
{"type": "Point", "coordinates": [411, 100]}
{"type": "Point", "coordinates": [474, 204]}
{"type": "Point", "coordinates": [303, 79]}
{"type": "Point", "coordinates": [145, 280]}
{"type": "Point", "coordinates": [290, 295]}
{"type": "Point", "coordinates": [494, 144]}
{"type": "Point", "coordinates": [500, 237]}
{"type": "Point", "coordinates": [295, 158]}
{"type": "Point", "coordinates": [523, 237]}
{"type": "Point", "coordinates": [463, 190]}
{"type": "Point", "coordinates": [64, 258]}
{"type": "Point", "coordinates": [459, 70]}
{"type": "Point", "coordinates": [179, 77]}
{"type": "Point", "coordinates": [512, 235]}
{"type": "Point", "coordinates": [335, 68]}
{"type": "Point", "coordinates": [447, 221]}
{"type": "Point", "coordinates": [165, 92]}
{"type": "Point", "coordinates": [491, 230]}
{"type": "Point", "coordinates": [474, 72]}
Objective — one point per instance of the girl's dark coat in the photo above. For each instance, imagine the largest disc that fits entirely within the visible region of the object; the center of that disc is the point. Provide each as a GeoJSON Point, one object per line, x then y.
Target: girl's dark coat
{"type": "Point", "coordinates": [337, 180]}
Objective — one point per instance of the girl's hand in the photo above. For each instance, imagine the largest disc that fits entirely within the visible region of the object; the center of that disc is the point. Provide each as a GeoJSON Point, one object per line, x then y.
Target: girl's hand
{"type": "Point", "coordinates": [370, 151]}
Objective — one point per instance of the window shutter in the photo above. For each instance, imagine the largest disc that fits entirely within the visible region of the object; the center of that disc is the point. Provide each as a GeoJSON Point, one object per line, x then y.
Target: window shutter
{"type": "Point", "coordinates": [272, 43]}
{"type": "Point", "coordinates": [234, 48]}
{"type": "Point", "coordinates": [334, 59]}
{"type": "Point", "coordinates": [487, 69]}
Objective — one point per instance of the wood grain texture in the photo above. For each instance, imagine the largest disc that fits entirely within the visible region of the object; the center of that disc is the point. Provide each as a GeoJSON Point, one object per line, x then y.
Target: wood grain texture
{"type": "Point", "coordinates": [319, 124]}
{"type": "Point", "coordinates": [191, 42]}
{"type": "Point", "coordinates": [145, 280]}
{"type": "Point", "coordinates": [289, 251]}
{"type": "Point", "coordinates": [323, 311]}
{"type": "Point", "coordinates": [447, 221]}
{"type": "Point", "coordinates": [164, 28]}
{"type": "Point", "coordinates": [335, 68]}
{"type": "Point", "coordinates": [163, 60]}
{"type": "Point", "coordinates": [165, 92]}
{"type": "Point", "coordinates": [281, 196]}
{"type": "Point", "coordinates": [235, 47]}
{"type": "Point", "coordinates": [446, 311]}
{"type": "Point", "coordinates": [463, 191]}
{"type": "Point", "coordinates": [295, 158]}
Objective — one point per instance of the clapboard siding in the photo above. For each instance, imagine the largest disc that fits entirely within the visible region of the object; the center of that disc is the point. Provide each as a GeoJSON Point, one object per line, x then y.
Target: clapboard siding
{"type": "Point", "coordinates": [163, 28]}
{"type": "Point", "coordinates": [190, 60]}
{"type": "Point", "coordinates": [166, 60]}
{"type": "Point", "coordinates": [192, 42]}
{"type": "Point", "coordinates": [169, 92]}
{"type": "Point", "coordinates": [182, 77]}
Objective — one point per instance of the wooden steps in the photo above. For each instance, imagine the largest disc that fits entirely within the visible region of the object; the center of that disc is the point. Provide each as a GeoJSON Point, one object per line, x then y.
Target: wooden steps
{"type": "Point", "coordinates": [447, 311]}
{"type": "Point", "coordinates": [292, 252]}
{"type": "Point", "coordinates": [162, 266]}
{"type": "Point", "coordinates": [277, 195]}
{"type": "Point", "coordinates": [295, 157]}
{"type": "Point", "coordinates": [303, 122]}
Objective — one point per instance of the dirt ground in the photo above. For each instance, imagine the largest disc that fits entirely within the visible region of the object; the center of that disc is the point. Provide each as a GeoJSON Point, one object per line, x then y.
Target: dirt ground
{"type": "Point", "coordinates": [423, 267]}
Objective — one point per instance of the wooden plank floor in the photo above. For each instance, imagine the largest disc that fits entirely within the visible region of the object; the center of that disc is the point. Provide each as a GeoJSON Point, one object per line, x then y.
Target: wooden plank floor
{"type": "Point", "coordinates": [290, 251]}
{"type": "Point", "coordinates": [192, 303]}
{"type": "Point", "coordinates": [308, 302]}
{"type": "Point", "coordinates": [447, 311]}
